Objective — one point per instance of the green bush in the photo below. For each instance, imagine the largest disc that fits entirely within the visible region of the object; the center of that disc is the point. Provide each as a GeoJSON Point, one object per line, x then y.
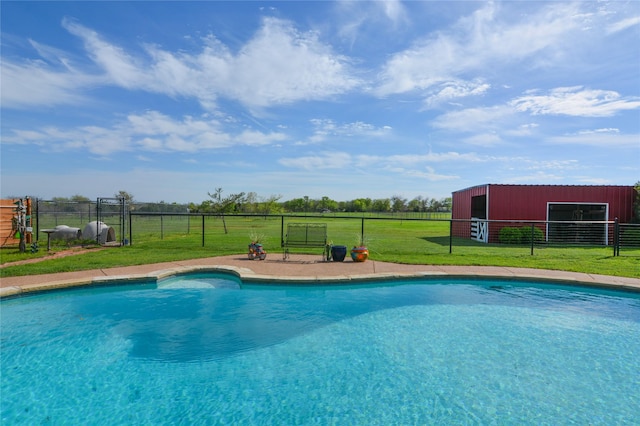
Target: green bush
{"type": "Point", "coordinates": [510, 235]}
{"type": "Point", "coordinates": [538, 235]}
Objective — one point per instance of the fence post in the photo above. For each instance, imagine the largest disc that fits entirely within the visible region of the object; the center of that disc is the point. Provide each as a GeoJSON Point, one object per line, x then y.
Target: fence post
{"type": "Point", "coordinates": [616, 238]}
{"type": "Point", "coordinates": [37, 219]}
{"type": "Point", "coordinates": [450, 235]}
{"type": "Point", "coordinates": [362, 231]}
{"type": "Point", "coordinates": [203, 230]}
{"type": "Point", "coordinates": [532, 237]}
{"type": "Point", "coordinates": [282, 231]}
{"type": "Point", "coordinates": [161, 227]}
{"type": "Point", "coordinates": [130, 230]}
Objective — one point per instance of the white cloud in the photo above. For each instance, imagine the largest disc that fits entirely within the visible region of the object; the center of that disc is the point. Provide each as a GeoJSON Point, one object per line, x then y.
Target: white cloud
{"type": "Point", "coordinates": [411, 166]}
{"type": "Point", "coordinates": [254, 138]}
{"type": "Point", "coordinates": [354, 16]}
{"type": "Point", "coordinates": [279, 65]}
{"type": "Point", "coordinates": [148, 132]}
{"type": "Point", "coordinates": [481, 41]}
{"type": "Point", "coordinates": [599, 138]}
{"type": "Point", "coordinates": [623, 24]}
{"type": "Point", "coordinates": [473, 120]}
{"type": "Point", "coordinates": [34, 83]}
{"type": "Point", "coordinates": [604, 130]}
{"type": "Point", "coordinates": [326, 160]}
{"type": "Point", "coordinates": [484, 140]}
{"type": "Point", "coordinates": [455, 89]}
{"type": "Point", "coordinates": [118, 64]}
{"type": "Point", "coordinates": [538, 178]}
{"type": "Point", "coordinates": [575, 101]}
{"type": "Point", "coordinates": [523, 130]}
{"type": "Point", "coordinates": [427, 173]}
{"type": "Point", "coordinates": [323, 129]}
{"type": "Point", "coordinates": [331, 160]}
{"type": "Point", "coordinates": [529, 164]}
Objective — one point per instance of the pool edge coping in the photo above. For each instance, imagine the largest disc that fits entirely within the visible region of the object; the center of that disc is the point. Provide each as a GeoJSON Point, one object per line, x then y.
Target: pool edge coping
{"type": "Point", "coordinates": [247, 276]}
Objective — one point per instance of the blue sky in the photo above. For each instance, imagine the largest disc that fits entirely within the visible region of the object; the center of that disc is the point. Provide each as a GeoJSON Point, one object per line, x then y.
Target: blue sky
{"type": "Point", "coordinates": [171, 100]}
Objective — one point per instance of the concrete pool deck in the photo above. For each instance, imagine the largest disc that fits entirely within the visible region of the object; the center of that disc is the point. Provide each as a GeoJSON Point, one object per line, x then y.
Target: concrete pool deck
{"type": "Point", "coordinates": [302, 269]}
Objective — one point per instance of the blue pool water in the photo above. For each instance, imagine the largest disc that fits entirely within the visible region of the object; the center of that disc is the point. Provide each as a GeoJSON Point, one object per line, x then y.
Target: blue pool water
{"type": "Point", "coordinates": [203, 349]}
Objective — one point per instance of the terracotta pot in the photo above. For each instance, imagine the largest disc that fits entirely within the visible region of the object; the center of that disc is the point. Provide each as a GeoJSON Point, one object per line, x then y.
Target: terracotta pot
{"type": "Point", "coordinates": [359, 254]}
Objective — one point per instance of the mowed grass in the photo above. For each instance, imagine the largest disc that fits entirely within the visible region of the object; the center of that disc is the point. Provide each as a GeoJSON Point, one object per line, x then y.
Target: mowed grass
{"type": "Point", "coordinates": [156, 239]}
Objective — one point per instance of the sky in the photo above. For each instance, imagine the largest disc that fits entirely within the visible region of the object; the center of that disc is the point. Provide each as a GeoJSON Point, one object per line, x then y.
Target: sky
{"type": "Point", "coordinates": [169, 101]}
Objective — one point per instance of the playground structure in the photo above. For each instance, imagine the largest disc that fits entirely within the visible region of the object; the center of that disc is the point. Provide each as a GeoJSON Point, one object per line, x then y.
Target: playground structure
{"type": "Point", "coordinates": [15, 222]}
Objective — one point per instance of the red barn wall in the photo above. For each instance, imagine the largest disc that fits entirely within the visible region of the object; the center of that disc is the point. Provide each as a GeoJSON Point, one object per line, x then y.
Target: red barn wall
{"type": "Point", "coordinates": [461, 209]}
{"type": "Point", "coordinates": [461, 201]}
{"type": "Point", "coordinates": [529, 202]}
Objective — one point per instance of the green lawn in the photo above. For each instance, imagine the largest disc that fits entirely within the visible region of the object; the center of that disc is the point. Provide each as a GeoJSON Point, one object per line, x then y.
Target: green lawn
{"type": "Point", "coordinates": [407, 241]}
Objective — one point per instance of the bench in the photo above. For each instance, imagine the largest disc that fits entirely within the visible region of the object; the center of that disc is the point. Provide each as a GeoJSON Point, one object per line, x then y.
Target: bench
{"type": "Point", "coordinates": [303, 235]}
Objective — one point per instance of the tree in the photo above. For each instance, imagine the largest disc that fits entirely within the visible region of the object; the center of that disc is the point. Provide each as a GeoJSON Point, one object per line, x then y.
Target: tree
{"type": "Point", "coordinates": [80, 199]}
{"type": "Point", "coordinates": [222, 205]}
{"type": "Point", "coordinates": [360, 205]}
{"type": "Point", "coordinates": [398, 203]}
{"type": "Point", "coordinates": [381, 205]}
{"type": "Point", "coordinates": [270, 205]}
{"type": "Point", "coordinates": [128, 197]}
{"type": "Point", "coordinates": [295, 205]}
{"type": "Point", "coordinates": [416, 205]}
{"type": "Point", "coordinates": [327, 203]}
{"type": "Point", "coordinates": [251, 202]}
{"type": "Point", "coordinates": [446, 203]}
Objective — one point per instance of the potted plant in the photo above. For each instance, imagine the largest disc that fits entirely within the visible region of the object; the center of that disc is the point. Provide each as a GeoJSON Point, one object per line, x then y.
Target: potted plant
{"type": "Point", "coordinates": [360, 252]}
{"type": "Point", "coordinates": [336, 253]}
{"type": "Point", "coordinates": [256, 251]}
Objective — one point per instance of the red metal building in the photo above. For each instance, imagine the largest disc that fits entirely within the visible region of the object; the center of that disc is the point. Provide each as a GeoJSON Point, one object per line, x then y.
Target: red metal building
{"type": "Point", "coordinates": [492, 202]}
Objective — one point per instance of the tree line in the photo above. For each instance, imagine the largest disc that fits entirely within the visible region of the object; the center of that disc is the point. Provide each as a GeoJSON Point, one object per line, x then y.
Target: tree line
{"type": "Point", "coordinates": [252, 203]}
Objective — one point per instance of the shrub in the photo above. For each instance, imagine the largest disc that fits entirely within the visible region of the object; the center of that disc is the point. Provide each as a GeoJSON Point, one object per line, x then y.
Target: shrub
{"type": "Point", "coordinates": [538, 235]}
{"type": "Point", "coordinates": [510, 235]}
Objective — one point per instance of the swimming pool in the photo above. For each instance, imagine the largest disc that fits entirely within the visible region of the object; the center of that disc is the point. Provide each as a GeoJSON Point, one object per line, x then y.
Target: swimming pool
{"type": "Point", "coordinates": [206, 349]}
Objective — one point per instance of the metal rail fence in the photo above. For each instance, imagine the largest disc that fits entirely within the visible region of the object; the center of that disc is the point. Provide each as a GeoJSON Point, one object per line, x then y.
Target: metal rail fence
{"type": "Point", "coordinates": [443, 235]}
{"type": "Point", "coordinates": [429, 232]}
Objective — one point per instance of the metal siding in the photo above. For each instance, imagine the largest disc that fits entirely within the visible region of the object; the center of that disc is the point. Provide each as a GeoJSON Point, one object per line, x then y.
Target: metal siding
{"type": "Point", "coordinates": [529, 202]}
{"type": "Point", "coordinates": [518, 202]}
{"type": "Point", "coordinates": [461, 209]}
{"type": "Point", "coordinates": [461, 201]}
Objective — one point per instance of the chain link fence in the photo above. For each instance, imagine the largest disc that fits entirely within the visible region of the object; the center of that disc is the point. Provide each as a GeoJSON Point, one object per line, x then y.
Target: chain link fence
{"type": "Point", "coordinates": [49, 214]}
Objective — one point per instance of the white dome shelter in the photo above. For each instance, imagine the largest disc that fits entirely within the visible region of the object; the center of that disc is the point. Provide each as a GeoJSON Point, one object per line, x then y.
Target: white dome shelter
{"type": "Point", "coordinates": [100, 232]}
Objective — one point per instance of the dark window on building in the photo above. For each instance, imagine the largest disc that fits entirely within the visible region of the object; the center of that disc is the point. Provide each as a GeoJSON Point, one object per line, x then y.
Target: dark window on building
{"type": "Point", "coordinates": [574, 232]}
{"type": "Point", "coordinates": [479, 207]}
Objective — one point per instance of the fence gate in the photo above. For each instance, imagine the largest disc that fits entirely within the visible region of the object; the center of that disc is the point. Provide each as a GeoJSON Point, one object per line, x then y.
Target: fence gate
{"type": "Point", "coordinates": [112, 212]}
{"type": "Point", "coordinates": [479, 230]}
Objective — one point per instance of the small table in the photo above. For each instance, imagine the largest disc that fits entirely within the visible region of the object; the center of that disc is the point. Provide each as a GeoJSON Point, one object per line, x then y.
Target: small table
{"type": "Point", "coordinates": [48, 232]}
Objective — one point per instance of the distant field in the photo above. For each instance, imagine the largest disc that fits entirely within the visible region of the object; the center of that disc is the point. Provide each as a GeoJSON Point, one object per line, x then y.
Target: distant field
{"type": "Point", "coordinates": [157, 239]}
